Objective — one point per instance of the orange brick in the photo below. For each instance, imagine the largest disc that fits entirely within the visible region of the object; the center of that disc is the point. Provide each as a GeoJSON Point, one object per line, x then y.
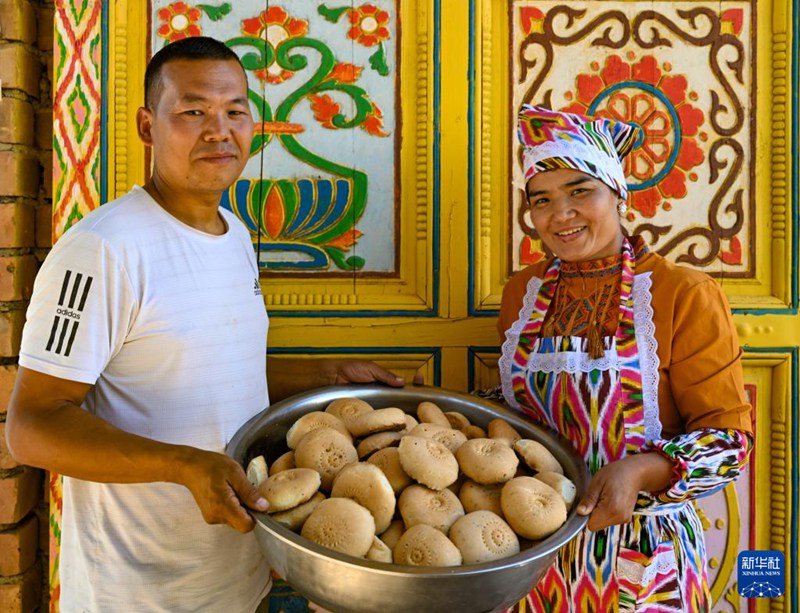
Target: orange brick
{"type": "Point", "coordinates": [16, 121]}
{"type": "Point", "coordinates": [44, 226]}
{"type": "Point", "coordinates": [11, 323]}
{"type": "Point", "coordinates": [16, 277]}
{"type": "Point", "coordinates": [43, 132]}
{"type": "Point", "coordinates": [6, 461]}
{"type": "Point", "coordinates": [8, 373]}
{"type": "Point", "coordinates": [44, 40]}
{"type": "Point", "coordinates": [16, 225]}
{"type": "Point", "coordinates": [19, 174]}
{"type": "Point", "coordinates": [19, 546]}
{"type": "Point", "coordinates": [19, 68]}
{"type": "Point", "coordinates": [19, 493]}
{"type": "Point", "coordinates": [23, 594]}
{"type": "Point", "coordinates": [18, 21]}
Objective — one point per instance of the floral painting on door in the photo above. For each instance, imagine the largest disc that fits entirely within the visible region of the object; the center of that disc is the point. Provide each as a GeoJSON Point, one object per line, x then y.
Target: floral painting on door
{"type": "Point", "coordinates": [684, 73]}
{"type": "Point", "coordinates": [319, 192]}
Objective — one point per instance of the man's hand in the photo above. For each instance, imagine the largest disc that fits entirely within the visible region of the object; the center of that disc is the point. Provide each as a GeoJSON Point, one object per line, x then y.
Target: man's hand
{"type": "Point", "coordinates": [612, 493]}
{"type": "Point", "coordinates": [221, 489]}
{"type": "Point", "coordinates": [344, 371]}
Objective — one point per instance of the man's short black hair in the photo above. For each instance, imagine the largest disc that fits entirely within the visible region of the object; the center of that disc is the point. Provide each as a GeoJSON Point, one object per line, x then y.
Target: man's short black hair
{"type": "Point", "coordinates": [192, 48]}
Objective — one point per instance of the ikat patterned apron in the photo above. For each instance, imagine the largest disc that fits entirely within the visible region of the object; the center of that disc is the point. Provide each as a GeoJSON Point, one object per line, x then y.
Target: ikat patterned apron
{"type": "Point", "coordinates": [655, 563]}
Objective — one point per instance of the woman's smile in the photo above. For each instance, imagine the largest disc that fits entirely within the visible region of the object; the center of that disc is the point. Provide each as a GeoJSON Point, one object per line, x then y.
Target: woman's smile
{"type": "Point", "coordinates": [571, 234]}
{"type": "Point", "coordinates": [574, 214]}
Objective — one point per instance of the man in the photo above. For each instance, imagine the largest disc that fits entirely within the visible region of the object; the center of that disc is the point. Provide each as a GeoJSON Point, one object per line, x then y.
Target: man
{"type": "Point", "coordinates": [144, 352]}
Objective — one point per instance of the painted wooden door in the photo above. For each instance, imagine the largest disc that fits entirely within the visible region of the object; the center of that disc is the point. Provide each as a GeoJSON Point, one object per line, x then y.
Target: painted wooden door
{"type": "Point", "coordinates": [382, 193]}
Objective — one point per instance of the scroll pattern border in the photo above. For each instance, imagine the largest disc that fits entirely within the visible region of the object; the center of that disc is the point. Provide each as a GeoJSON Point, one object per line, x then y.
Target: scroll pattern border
{"type": "Point", "coordinates": [774, 288]}
{"type": "Point", "coordinates": [682, 247]}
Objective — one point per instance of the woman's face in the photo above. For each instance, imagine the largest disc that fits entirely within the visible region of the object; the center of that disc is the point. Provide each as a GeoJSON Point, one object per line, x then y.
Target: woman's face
{"type": "Point", "coordinates": [575, 214]}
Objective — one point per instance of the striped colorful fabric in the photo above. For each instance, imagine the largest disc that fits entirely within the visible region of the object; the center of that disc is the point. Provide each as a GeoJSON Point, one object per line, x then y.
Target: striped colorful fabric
{"type": "Point", "coordinates": [705, 460]}
{"type": "Point", "coordinates": [594, 145]}
{"type": "Point", "coordinates": [656, 562]}
{"type": "Point", "coordinates": [530, 332]}
{"type": "Point", "coordinates": [630, 371]}
{"type": "Point", "coordinates": [555, 405]}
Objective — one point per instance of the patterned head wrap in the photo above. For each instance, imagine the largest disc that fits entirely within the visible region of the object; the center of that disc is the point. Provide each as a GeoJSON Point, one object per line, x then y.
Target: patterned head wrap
{"type": "Point", "coordinates": [593, 145]}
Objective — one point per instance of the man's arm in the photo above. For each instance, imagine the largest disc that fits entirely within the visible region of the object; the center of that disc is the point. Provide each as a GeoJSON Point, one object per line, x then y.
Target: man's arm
{"type": "Point", "coordinates": [46, 427]}
{"type": "Point", "coordinates": [289, 376]}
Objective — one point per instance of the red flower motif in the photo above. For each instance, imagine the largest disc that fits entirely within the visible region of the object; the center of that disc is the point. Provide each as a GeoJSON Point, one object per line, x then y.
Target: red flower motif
{"type": "Point", "coordinates": [325, 109]}
{"type": "Point", "coordinates": [529, 253]}
{"type": "Point", "coordinates": [646, 201]}
{"type": "Point", "coordinates": [654, 114]}
{"type": "Point", "coordinates": [615, 70]}
{"type": "Point", "coordinates": [275, 212]}
{"type": "Point", "coordinates": [734, 256]}
{"type": "Point", "coordinates": [734, 17]}
{"type": "Point", "coordinates": [179, 20]}
{"type": "Point", "coordinates": [344, 72]}
{"type": "Point", "coordinates": [346, 240]}
{"type": "Point", "coordinates": [368, 25]}
{"type": "Point", "coordinates": [275, 26]}
{"type": "Point", "coordinates": [373, 123]}
{"type": "Point", "coordinates": [531, 19]}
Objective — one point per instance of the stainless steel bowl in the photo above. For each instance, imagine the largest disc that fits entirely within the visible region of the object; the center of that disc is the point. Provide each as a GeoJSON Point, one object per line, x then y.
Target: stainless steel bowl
{"type": "Point", "coordinates": [345, 584]}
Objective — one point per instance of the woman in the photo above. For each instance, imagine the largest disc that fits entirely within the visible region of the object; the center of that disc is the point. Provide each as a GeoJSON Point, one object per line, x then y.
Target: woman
{"type": "Point", "coordinates": [636, 361]}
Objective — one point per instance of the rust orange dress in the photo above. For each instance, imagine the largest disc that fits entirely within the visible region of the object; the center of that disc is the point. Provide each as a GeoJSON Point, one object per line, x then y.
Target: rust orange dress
{"type": "Point", "coordinates": [625, 355]}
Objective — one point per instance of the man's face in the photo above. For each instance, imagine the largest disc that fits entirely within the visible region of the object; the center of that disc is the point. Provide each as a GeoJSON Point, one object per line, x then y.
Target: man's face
{"type": "Point", "coordinates": [200, 127]}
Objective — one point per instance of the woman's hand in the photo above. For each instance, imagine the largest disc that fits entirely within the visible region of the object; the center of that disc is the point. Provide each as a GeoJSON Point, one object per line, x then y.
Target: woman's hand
{"type": "Point", "coordinates": [612, 493]}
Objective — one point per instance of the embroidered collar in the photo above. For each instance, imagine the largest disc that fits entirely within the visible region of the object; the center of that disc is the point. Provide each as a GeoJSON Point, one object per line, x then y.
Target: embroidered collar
{"type": "Point", "coordinates": [603, 266]}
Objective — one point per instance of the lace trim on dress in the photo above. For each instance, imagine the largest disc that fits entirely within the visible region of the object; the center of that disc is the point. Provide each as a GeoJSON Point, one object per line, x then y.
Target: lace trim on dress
{"type": "Point", "coordinates": [643, 575]}
{"type": "Point", "coordinates": [512, 340]}
{"type": "Point", "coordinates": [576, 360]}
{"type": "Point", "coordinates": [647, 347]}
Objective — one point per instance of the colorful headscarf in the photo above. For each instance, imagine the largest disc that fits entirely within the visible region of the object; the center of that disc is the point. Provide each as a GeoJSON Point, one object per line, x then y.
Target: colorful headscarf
{"type": "Point", "coordinates": [594, 145]}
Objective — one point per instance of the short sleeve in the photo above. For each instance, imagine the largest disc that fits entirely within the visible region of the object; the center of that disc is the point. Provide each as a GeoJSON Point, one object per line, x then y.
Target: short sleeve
{"type": "Point", "coordinates": [80, 312]}
{"type": "Point", "coordinates": [705, 371]}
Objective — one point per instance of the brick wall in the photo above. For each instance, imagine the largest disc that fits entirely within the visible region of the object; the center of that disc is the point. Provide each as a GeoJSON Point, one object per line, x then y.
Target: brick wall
{"type": "Point", "coordinates": [26, 152]}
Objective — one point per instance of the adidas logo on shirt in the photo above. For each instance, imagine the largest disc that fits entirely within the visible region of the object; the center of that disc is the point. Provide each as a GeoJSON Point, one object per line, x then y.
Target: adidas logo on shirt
{"type": "Point", "coordinates": [256, 288]}
{"type": "Point", "coordinates": [74, 292]}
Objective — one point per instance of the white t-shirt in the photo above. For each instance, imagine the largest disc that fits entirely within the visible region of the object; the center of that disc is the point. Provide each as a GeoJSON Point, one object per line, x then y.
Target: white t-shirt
{"type": "Point", "coordinates": [169, 325]}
